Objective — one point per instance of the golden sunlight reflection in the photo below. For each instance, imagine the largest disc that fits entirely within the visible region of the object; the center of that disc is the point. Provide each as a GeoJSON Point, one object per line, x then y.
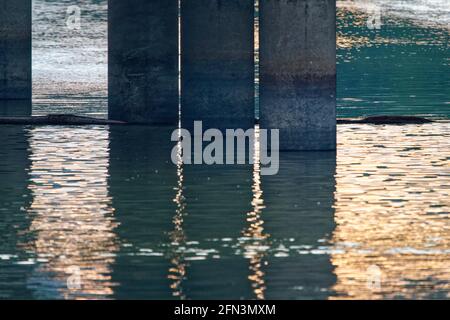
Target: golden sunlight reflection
{"type": "Point", "coordinates": [177, 271]}
{"type": "Point", "coordinates": [72, 218]}
{"type": "Point", "coordinates": [352, 19]}
{"type": "Point", "coordinates": [424, 13]}
{"type": "Point", "coordinates": [347, 40]}
{"type": "Point", "coordinates": [392, 212]}
{"type": "Point", "coordinates": [255, 241]}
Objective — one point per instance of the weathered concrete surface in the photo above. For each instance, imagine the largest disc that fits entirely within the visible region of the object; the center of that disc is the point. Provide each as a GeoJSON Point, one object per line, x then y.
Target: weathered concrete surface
{"type": "Point", "coordinates": [217, 63]}
{"type": "Point", "coordinates": [298, 72]}
{"type": "Point", "coordinates": [143, 61]}
{"type": "Point", "coordinates": [15, 108]}
{"type": "Point", "coordinates": [15, 49]}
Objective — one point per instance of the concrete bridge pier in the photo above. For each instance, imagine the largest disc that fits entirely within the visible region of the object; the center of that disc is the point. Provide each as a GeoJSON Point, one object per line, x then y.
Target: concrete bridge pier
{"type": "Point", "coordinates": [298, 72]}
{"type": "Point", "coordinates": [143, 61]}
{"type": "Point", "coordinates": [217, 63]}
{"type": "Point", "coordinates": [15, 57]}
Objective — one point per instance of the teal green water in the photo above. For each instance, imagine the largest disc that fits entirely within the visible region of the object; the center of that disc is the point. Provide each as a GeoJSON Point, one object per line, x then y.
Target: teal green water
{"type": "Point", "coordinates": [399, 69]}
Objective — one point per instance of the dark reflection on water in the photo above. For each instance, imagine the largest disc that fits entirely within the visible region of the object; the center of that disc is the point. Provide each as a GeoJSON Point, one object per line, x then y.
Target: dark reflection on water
{"type": "Point", "coordinates": [299, 216]}
{"type": "Point", "coordinates": [217, 201]}
{"type": "Point", "coordinates": [110, 202]}
{"type": "Point", "coordinates": [15, 198]}
{"type": "Point", "coordinates": [142, 183]}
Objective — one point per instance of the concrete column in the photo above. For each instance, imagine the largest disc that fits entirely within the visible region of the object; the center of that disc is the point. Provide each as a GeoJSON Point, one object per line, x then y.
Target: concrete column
{"type": "Point", "coordinates": [15, 53]}
{"type": "Point", "coordinates": [217, 63]}
{"type": "Point", "coordinates": [298, 72]}
{"type": "Point", "coordinates": [15, 108]}
{"type": "Point", "coordinates": [143, 61]}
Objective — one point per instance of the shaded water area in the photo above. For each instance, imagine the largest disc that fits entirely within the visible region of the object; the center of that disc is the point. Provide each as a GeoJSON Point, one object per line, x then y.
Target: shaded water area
{"type": "Point", "coordinates": [109, 201]}
{"type": "Point", "coordinates": [108, 205]}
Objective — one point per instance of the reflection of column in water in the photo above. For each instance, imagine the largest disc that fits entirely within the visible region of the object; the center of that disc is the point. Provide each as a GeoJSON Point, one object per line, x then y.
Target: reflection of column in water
{"type": "Point", "coordinates": [217, 195]}
{"type": "Point", "coordinates": [71, 212]}
{"type": "Point", "coordinates": [15, 198]}
{"type": "Point", "coordinates": [299, 212]}
{"type": "Point", "coordinates": [141, 184]}
{"type": "Point", "coordinates": [255, 241]}
{"type": "Point", "coordinates": [177, 272]}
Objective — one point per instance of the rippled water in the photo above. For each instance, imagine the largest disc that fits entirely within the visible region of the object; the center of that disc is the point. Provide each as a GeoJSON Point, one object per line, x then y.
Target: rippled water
{"type": "Point", "coordinates": [392, 210]}
{"type": "Point", "coordinates": [70, 65]}
{"type": "Point", "coordinates": [106, 205]}
{"type": "Point", "coordinates": [420, 12]}
{"type": "Point", "coordinates": [401, 68]}
{"type": "Point", "coordinates": [110, 202]}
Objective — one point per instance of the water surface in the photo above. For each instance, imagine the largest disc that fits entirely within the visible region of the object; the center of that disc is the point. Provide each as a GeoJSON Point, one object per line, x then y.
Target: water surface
{"type": "Point", "coordinates": [402, 68]}
{"type": "Point", "coordinates": [109, 201]}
